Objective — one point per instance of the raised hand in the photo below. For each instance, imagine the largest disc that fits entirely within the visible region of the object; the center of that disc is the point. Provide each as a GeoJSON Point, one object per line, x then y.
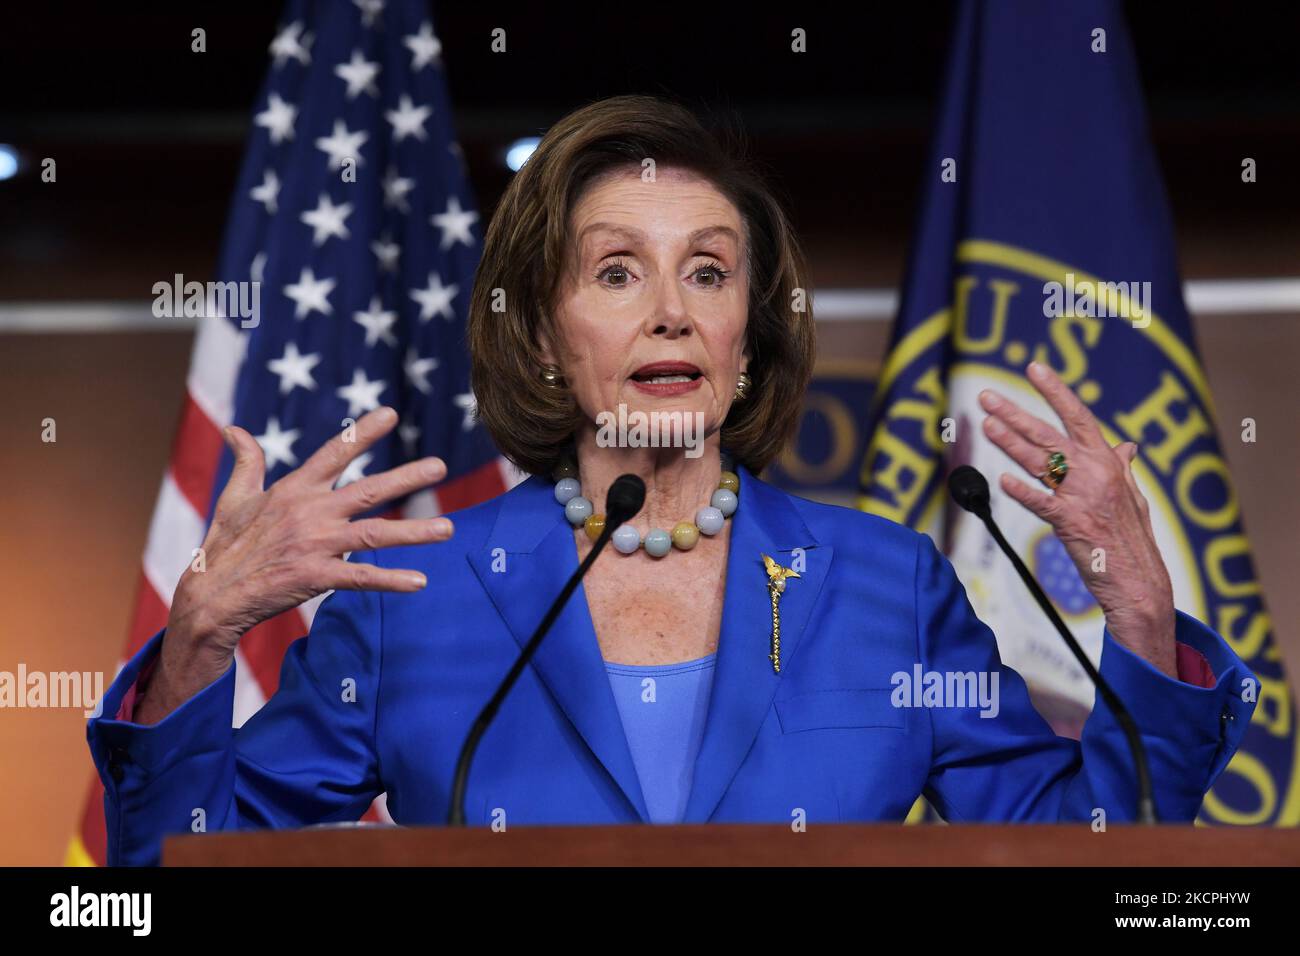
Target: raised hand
{"type": "Point", "coordinates": [269, 550]}
{"type": "Point", "coordinates": [1097, 505]}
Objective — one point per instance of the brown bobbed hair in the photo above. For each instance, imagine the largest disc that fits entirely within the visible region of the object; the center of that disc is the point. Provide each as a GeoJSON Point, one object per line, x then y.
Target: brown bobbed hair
{"type": "Point", "coordinates": [526, 251]}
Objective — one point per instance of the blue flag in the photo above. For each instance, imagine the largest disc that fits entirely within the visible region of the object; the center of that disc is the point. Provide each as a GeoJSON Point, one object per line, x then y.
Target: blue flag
{"type": "Point", "coordinates": [1044, 233]}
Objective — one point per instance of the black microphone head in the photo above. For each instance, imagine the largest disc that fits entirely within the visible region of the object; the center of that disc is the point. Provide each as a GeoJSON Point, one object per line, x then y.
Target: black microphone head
{"type": "Point", "coordinates": [970, 490]}
{"type": "Point", "coordinates": [625, 498]}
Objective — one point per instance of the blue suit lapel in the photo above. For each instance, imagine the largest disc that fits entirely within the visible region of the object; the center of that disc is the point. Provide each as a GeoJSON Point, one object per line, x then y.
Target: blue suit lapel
{"type": "Point", "coordinates": [744, 683]}
{"type": "Point", "coordinates": [540, 555]}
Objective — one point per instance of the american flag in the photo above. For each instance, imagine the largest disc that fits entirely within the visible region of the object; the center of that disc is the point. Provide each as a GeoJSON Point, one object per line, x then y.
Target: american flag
{"type": "Point", "coordinates": [354, 216]}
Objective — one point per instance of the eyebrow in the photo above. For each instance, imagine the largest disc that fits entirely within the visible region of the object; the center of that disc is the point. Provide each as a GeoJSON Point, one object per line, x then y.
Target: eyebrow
{"type": "Point", "coordinates": [699, 235]}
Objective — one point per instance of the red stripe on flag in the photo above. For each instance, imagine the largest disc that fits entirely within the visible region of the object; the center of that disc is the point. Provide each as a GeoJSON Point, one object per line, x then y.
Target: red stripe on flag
{"type": "Point", "coordinates": [148, 618]}
{"type": "Point", "coordinates": [471, 488]}
{"type": "Point", "coordinates": [264, 646]}
{"type": "Point", "coordinates": [196, 451]}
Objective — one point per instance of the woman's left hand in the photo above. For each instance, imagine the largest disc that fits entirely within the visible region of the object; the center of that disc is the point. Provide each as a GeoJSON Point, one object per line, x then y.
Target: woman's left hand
{"type": "Point", "coordinates": [1096, 510]}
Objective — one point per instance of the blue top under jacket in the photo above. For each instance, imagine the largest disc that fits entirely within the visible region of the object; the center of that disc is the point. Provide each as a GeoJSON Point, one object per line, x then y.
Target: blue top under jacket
{"type": "Point", "coordinates": [664, 709]}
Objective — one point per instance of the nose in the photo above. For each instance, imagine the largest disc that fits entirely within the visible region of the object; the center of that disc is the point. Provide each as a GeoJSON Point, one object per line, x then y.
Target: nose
{"type": "Point", "coordinates": [669, 317]}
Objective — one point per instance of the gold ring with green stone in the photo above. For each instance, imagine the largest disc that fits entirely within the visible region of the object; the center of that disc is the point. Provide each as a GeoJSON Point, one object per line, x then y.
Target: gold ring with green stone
{"type": "Point", "coordinates": [1057, 469]}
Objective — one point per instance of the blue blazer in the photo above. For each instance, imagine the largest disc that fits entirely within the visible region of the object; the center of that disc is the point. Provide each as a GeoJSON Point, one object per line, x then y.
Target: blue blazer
{"type": "Point", "coordinates": [379, 696]}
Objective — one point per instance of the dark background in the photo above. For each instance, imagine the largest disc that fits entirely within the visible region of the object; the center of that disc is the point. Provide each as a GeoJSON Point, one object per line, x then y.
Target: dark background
{"type": "Point", "coordinates": [149, 135]}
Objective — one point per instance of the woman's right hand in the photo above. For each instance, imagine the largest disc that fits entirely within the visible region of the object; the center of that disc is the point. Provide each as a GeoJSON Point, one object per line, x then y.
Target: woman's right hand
{"type": "Point", "coordinates": [271, 549]}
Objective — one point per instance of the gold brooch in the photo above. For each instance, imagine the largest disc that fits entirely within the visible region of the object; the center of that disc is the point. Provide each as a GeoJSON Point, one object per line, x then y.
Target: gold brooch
{"type": "Point", "coordinates": [776, 577]}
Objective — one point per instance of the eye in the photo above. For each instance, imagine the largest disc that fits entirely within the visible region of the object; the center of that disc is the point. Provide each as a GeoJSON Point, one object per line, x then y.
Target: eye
{"type": "Point", "coordinates": [614, 274]}
{"type": "Point", "coordinates": [710, 275]}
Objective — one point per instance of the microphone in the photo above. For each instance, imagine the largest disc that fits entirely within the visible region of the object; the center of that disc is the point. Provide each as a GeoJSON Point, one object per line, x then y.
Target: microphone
{"type": "Point", "coordinates": [625, 498]}
{"type": "Point", "coordinates": [970, 490]}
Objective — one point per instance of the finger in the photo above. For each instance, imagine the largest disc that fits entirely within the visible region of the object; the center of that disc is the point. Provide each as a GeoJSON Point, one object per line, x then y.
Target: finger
{"type": "Point", "coordinates": [343, 575]}
{"type": "Point", "coordinates": [1078, 421]}
{"type": "Point", "coordinates": [328, 462]}
{"type": "Point", "coordinates": [248, 475]}
{"type": "Point", "coordinates": [371, 534]}
{"type": "Point", "coordinates": [1031, 427]}
{"type": "Point", "coordinates": [1046, 506]}
{"type": "Point", "coordinates": [1127, 452]}
{"type": "Point", "coordinates": [374, 490]}
{"type": "Point", "coordinates": [1027, 455]}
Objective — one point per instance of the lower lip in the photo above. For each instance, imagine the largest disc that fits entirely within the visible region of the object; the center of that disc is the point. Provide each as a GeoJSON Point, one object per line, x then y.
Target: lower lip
{"type": "Point", "coordinates": [668, 389]}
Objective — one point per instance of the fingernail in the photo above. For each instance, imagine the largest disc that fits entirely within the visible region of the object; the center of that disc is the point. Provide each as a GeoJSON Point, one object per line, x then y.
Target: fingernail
{"type": "Point", "coordinates": [418, 580]}
{"type": "Point", "coordinates": [990, 397]}
{"type": "Point", "coordinates": [442, 526]}
{"type": "Point", "coordinates": [1036, 370]}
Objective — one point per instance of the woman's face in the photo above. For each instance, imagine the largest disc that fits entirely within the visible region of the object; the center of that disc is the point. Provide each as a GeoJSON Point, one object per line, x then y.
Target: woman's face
{"type": "Point", "coordinates": [656, 275]}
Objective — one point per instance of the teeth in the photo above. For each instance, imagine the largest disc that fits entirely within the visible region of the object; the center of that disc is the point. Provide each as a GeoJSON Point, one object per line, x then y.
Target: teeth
{"type": "Point", "coordinates": [666, 379]}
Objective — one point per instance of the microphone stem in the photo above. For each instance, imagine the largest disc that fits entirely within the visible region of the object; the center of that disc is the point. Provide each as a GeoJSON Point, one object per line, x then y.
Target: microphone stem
{"type": "Point", "coordinates": [1146, 810]}
{"type": "Point", "coordinates": [456, 812]}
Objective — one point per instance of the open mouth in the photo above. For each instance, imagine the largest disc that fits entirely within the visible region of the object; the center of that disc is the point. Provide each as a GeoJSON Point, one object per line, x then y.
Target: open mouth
{"type": "Point", "coordinates": [666, 373]}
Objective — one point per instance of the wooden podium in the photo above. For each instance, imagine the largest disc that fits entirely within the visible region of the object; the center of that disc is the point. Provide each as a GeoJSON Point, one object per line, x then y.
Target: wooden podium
{"type": "Point", "coordinates": [743, 845]}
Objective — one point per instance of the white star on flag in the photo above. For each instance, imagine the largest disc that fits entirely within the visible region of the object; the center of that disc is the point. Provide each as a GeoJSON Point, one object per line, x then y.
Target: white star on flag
{"type": "Point", "coordinates": [327, 220]}
{"type": "Point", "coordinates": [409, 432]}
{"type": "Point", "coordinates": [377, 323]}
{"type": "Point", "coordinates": [387, 252]}
{"type": "Point", "coordinates": [370, 9]}
{"type": "Point", "coordinates": [277, 445]}
{"type": "Point", "coordinates": [424, 47]}
{"type": "Point", "coordinates": [294, 368]}
{"type": "Point", "coordinates": [278, 118]}
{"type": "Point", "coordinates": [362, 395]}
{"type": "Point", "coordinates": [359, 74]}
{"type": "Point", "coordinates": [408, 119]}
{"type": "Point", "coordinates": [287, 45]}
{"type": "Point", "coordinates": [342, 145]}
{"type": "Point", "coordinates": [266, 193]}
{"type": "Point", "coordinates": [455, 223]}
{"type": "Point", "coordinates": [417, 370]}
{"type": "Point", "coordinates": [310, 294]}
{"type": "Point", "coordinates": [395, 189]}
{"type": "Point", "coordinates": [436, 299]}
{"type": "Point", "coordinates": [356, 469]}
{"type": "Point", "coordinates": [467, 403]}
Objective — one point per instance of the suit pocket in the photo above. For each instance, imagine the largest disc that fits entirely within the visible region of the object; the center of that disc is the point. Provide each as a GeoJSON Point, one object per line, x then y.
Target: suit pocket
{"type": "Point", "coordinates": [826, 709]}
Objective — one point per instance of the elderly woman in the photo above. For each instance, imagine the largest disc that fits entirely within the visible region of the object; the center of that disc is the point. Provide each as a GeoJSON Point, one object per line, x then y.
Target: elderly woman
{"type": "Point", "coordinates": [635, 261]}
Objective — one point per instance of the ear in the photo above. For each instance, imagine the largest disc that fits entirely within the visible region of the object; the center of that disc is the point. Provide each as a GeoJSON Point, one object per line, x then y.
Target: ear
{"type": "Point", "coordinates": [545, 354]}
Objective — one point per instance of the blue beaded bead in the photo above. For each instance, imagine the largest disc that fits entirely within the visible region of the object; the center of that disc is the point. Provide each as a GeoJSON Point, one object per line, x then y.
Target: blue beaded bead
{"type": "Point", "coordinates": [725, 501]}
{"type": "Point", "coordinates": [709, 520]}
{"type": "Point", "coordinates": [626, 539]}
{"type": "Point", "coordinates": [567, 488]}
{"type": "Point", "coordinates": [658, 542]}
{"type": "Point", "coordinates": [577, 510]}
